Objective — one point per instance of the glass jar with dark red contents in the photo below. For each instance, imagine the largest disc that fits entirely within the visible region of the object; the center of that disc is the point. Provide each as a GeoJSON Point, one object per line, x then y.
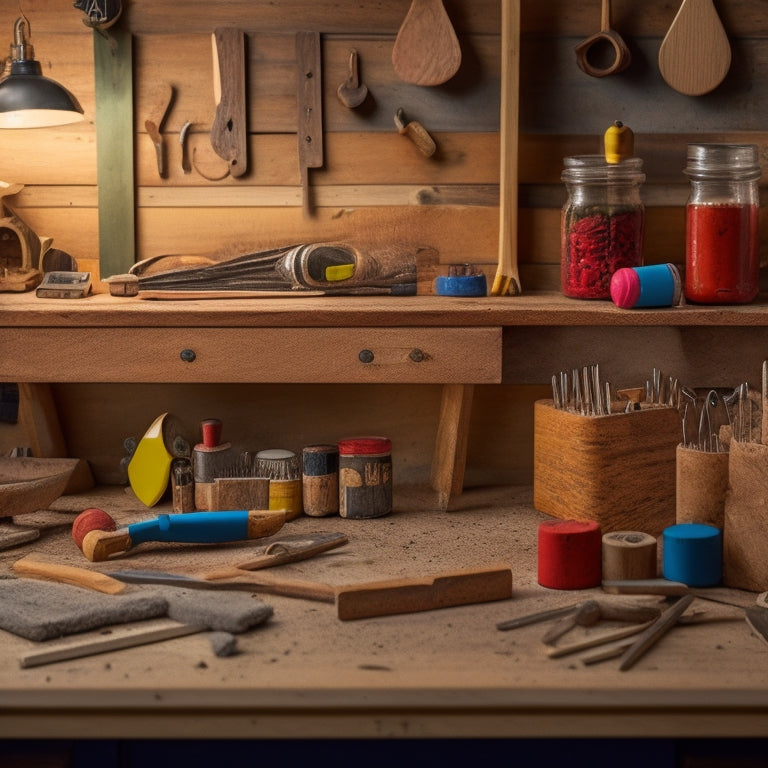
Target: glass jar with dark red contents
{"type": "Point", "coordinates": [602, 223]}
{"type": "Point", "coordinates": [722, 259]}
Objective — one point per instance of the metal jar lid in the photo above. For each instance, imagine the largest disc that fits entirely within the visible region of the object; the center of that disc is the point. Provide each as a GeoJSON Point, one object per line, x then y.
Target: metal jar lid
{"type": "Point", "coordinates": [594, 169]}
{"type": "Point", "coordinates": [723, 161]}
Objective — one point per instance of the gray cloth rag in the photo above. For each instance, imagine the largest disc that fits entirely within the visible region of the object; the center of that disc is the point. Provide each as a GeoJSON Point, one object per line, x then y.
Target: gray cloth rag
{"type": "Point", "coordinates": [41, 610]}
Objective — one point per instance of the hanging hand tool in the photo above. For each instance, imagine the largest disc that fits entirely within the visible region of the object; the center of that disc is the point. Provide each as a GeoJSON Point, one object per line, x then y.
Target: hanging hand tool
{"type": "Point", "coordinates": [594, 44]}
{"type": "Point", "coordinates": [309, 70]}
{"type": "Point", "coordinates": [229, 131]}
{"type": "Point", "coordinates": [154, 127]}
{"type": "Point", "coordinates": [351, 92]}
{"type": "Point", "coordinates": [186, 164]}
{"type": "Point", "coordinates": [416, 132]}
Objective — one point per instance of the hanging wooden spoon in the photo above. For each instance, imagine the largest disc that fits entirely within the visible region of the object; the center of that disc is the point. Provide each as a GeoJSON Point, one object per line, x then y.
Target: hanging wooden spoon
{"type": "Point", "coordinates": [590, 50]}
{"type": "Point", "coordinates": [695, 54]}
{"type": "Point", "coordinates": [426, 50]}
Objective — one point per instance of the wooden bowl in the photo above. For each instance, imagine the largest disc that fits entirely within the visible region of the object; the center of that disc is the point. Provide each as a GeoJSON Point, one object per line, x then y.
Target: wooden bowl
{"type": "Point", "coordinates": [29, 484]}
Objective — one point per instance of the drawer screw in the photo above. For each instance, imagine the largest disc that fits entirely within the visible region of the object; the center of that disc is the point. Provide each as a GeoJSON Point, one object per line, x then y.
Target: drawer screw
{"type": "Point", "coordinates": [365, 356]}
{"type": "Point", "coordinates": [416, 355]}
{"type": "Point", "coordinates": [188, 355]}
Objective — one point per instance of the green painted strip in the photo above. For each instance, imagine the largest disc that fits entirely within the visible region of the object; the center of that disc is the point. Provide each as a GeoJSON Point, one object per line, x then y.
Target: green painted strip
{"type": "Point", "coordinates": [113, 64]}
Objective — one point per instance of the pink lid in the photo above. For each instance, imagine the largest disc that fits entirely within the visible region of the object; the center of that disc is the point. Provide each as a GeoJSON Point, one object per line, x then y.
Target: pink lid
{"type": "Point", "coordinates": [625, 287]}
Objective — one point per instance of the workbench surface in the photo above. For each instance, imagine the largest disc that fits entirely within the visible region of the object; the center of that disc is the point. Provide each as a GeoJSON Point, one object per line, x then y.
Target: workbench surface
{"type": "Point", "coordinates": [442, 673]}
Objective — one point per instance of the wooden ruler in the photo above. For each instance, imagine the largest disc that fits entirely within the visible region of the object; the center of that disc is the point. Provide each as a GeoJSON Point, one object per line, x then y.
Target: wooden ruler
{"type": "Point", "coordinates": [309, 69]}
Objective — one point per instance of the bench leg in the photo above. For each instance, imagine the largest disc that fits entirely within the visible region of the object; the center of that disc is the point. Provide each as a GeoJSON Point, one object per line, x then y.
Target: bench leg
{"type": "Point", "coordinates": [450, 456]}
{"type": "Point", "coordinates": [40, 421]}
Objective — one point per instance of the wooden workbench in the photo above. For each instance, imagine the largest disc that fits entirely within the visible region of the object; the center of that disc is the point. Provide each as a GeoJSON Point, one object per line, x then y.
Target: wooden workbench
{"type": "Point", "coordinates": [443, 673]}
{"type": "Point", "coordinates": [438, 674]}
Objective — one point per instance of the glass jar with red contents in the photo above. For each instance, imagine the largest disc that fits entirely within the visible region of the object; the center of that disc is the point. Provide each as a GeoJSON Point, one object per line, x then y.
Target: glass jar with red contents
{"type": "Point", "coordinates": [722, 260]}
{"type": "Point", "coordinates": [602, 223]}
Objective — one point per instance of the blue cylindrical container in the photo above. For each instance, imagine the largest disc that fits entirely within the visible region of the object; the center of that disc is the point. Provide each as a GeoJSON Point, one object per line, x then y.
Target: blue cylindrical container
{"type": "Point", "coordinates": [693, 554]}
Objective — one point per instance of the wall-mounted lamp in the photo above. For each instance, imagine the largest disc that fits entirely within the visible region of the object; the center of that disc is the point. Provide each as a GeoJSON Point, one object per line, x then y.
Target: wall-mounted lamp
{"type": "Point", "coordinates": [27, 98]}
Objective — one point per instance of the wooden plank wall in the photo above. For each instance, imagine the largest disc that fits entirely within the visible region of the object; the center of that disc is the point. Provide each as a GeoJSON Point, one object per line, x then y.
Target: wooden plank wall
{"type": "Point", "coordinates": [375, 183]}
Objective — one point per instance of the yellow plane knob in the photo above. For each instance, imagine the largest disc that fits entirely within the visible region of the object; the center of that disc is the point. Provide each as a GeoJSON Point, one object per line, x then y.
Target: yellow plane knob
{"type": "Point", "coordinates": [619, 143]}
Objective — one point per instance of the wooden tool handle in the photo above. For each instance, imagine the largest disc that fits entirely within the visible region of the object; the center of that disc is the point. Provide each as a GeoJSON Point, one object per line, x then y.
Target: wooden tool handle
{"type": "Point", "coordinates": [101, 545]}
{"type": "Point", "coordinates": [307, 590]}
{"type": "Point", "coordinates": [383, 598]}
{"type": "Point", "coordinates": [67, 574]}
{"type": "Point", "coordinates": [507, 278]}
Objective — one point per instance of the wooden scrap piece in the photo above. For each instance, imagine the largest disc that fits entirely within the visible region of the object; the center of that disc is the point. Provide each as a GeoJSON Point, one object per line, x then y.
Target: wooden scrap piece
{"type": "Point", "coordinates": [229, 131]}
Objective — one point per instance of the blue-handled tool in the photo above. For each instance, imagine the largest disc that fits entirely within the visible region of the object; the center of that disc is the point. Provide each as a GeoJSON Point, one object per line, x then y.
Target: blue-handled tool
{"type": "Point", "coordinates": [188, 527]}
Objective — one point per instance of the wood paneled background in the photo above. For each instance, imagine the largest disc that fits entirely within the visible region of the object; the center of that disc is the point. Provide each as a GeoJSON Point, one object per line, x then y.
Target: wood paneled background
{"type": "Point", "coordinates": [374, 184]}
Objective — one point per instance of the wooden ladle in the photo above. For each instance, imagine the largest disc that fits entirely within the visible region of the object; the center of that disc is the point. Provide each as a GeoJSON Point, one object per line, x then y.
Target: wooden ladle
{"type": "Point", "coordinates": [426, 50]}
{"type": "Point", "coordinates": [596, 45]}
{"type": "Point", "coordinates": [695, 54]}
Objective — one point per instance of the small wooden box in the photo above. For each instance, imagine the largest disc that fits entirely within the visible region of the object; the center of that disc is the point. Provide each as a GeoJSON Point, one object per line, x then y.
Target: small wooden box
{"type": "Point", "coordinates": [618, 470]}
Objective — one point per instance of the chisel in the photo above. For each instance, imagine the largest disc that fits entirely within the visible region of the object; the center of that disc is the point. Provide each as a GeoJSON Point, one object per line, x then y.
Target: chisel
{"type": "Point", "coordinates": [354, 601]}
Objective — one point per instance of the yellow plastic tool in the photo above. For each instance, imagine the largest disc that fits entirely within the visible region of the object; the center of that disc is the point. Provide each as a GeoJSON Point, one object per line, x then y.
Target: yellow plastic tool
{"type": "Point", "coordinates": [150, 466]}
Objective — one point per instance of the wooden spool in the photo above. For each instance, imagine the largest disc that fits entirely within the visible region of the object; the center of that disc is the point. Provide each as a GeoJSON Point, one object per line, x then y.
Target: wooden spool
{"type": "Point", "coordinates": [629, 555]}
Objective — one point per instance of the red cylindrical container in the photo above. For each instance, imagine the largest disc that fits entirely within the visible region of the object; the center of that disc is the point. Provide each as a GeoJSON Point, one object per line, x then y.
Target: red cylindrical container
{"type": "Point", "coordinates": [570, 554]}
{"type": "Point", "coordinates": [722, 260]}
{"type": "Point", "coordinates": [365, 477]}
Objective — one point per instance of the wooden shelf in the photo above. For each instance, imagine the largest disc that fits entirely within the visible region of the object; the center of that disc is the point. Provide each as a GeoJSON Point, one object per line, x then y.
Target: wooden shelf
{"type": "Point", "coordinates": [540, 309]}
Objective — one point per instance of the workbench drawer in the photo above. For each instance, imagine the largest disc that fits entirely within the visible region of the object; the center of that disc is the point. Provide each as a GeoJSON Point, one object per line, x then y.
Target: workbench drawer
{"type": "Point", "coordinates": [258, 355]}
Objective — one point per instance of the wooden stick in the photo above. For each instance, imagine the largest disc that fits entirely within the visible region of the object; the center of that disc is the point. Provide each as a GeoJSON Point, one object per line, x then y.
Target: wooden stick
{"type": "Point", "coordinates": [100, 641]}
{"type": "Point", "coordinates": [507, 280]}
{"type": "Point", "coordinates": [655, 632]}
{"type": "Point", "coordinates": [67, 574]}
{"type": "Point", "coordinates": [591, 642]}
{"type": "Point", "coordinates": [764, 406]}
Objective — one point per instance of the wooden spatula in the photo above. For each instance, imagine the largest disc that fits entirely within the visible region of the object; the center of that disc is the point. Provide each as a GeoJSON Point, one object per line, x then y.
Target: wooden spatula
{"type": "Point", "coordinates": [426, 50]}
{"type": "Point", "coordinates": [695, 54]}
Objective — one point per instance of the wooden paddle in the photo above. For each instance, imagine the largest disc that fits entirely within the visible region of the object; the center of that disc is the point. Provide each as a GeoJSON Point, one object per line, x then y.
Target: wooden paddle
{"type": "Point", "coordinates": [426, 50]}
{"type": "Point", "coordinates": [695, 54]}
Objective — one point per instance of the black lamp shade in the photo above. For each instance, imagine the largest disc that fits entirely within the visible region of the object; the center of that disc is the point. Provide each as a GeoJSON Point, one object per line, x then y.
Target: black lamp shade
{"type": "Point", "coordinates": [30, 100]}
